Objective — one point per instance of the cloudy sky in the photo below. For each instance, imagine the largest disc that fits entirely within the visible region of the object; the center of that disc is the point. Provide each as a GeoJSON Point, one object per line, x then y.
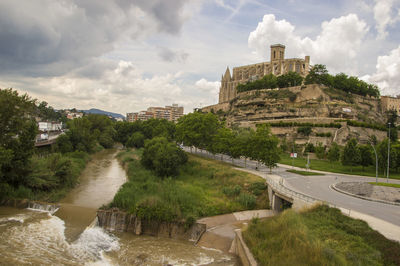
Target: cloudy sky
{"type": "Point", "coordinates": [127, 55]}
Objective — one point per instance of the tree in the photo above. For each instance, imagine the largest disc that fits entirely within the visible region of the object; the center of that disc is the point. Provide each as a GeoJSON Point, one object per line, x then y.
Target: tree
{"type": "Point", "coordinates": [265, 147]}
{"type": "Point", "coordinates": [80, 134]}
{"type": "Point", "coordinates": [197, 129]}
{"type": "Point", "coordinates": [289, 79]}
{"type": "Point", "coordinates": [320, 151]}
{"type": "Point", "coordinates": [382, 151]}
{"type": "Point", "coordinates": [366, 157]}
{"type": "Point", "coordinates": [63, 144]}
{"type": "Point", "coordinates": [351, 154]}
{"type": "Point", "coordinates": [136, 140]}
{"type": "Point", "coordinates": [318, 75]}
{"type": "Point", "coordinates": [18, 130]}
{"type": "Point", "coordinates": [392, 119]}
{"type": "Point", "coordinates": [221, 142]}
{"type": "Point", "coordinates": [334, 152]}
{"type": "Point", "coordinates": [164, 157]}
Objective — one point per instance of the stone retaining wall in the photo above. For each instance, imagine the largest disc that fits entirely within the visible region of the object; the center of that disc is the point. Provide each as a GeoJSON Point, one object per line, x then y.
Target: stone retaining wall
{"type": "Point", "coordinates": [116, 220]}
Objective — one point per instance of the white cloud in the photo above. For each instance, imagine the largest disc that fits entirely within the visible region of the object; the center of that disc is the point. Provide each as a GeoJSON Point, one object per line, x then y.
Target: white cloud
{"type": "Point", "coordinates": [121, 89]}
{"type": "Point", "coordinates": [387, 73]}
{"type": "Point", "coordinates": [336, 45]}
{"type": "Point", "coordinates": [211, 87]}
{"type": "Point", "coordinates": [385, 15]}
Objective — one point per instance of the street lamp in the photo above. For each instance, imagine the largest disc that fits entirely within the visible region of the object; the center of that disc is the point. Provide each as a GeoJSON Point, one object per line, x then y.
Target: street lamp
{"type": "Point", "coordinates": [387, 176]}
{"type": "Point", "coordinates": [376, 162]}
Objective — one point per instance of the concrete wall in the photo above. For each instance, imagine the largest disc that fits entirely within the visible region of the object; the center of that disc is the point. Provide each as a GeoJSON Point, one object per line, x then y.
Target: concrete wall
{"type": "Point", "coordinates": [240, 248]}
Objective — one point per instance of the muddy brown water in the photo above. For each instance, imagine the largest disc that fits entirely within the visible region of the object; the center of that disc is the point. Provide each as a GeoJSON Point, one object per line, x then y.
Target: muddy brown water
{"type": "Point", "coordinates": [70, 236]}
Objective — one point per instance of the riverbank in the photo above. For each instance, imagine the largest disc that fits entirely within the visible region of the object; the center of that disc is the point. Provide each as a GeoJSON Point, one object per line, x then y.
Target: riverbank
{"type": "Point", "coordinates": [50, 178]}
{"type": "Point", "coordinates": [319, 236]}
{"type": "Point", "coordinates": [203, 188]}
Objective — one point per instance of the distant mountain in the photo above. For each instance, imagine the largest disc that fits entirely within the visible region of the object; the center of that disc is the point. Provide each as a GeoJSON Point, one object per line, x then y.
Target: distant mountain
{"type": "Point", "coordinates": [101, 112]}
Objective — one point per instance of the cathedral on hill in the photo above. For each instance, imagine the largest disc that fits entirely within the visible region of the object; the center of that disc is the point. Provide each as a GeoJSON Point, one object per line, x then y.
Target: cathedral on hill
{"type": "Point", "coordinates": [277, 66]}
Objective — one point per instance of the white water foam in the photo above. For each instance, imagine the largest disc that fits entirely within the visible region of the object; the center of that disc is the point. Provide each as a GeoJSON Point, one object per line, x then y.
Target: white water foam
{"type": "Point", "coordinates": [43, 242]}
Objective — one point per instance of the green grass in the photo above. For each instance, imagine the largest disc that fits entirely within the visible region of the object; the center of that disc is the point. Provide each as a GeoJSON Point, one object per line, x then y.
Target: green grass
{"type": "Point", "coordinates": [334, 167]}
{"type": "Point", "coordinates": [204, 187]}
{"type": "Point", "coordinates": [385, 184]}
{"type": "Point", "coordinates": [320, 236]}
{"type": "Point", "coordinates": [303, 172]}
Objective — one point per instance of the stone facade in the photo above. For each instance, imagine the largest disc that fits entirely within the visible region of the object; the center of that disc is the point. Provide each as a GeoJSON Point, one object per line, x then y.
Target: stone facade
{"type": "Point", "coordinates": [390, 103]}
{"type": "Point", "coordinates": [277, 66]}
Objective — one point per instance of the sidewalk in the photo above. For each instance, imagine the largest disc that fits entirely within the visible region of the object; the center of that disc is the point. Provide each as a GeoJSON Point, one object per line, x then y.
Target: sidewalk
{"type": "Point", "coordinates": [221, 228]}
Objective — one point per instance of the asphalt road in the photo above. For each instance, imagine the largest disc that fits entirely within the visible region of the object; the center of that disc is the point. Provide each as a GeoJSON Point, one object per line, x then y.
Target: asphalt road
{"type": "Point", "coordinates": [319, 187]}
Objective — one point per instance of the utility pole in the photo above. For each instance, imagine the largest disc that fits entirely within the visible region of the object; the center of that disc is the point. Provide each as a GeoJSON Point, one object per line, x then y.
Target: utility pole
{"type": "Point", "coordinates": [387, 176]}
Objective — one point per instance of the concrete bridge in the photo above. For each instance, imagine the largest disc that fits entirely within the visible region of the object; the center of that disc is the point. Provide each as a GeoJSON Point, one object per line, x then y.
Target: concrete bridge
{"type": "Point", "coordinates": [281, 197]}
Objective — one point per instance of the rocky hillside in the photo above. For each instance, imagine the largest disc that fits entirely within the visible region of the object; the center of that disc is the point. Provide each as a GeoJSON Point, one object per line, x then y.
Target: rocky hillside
{"type": "Point", "coordinates": [315, 104]}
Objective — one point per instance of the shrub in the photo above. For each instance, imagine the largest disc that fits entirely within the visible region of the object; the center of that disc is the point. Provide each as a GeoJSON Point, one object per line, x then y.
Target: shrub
{"type": "Point", "coordinates": [247, 200]}
{"type": "Point", "coordinates": [232, 191]}
{"type": "Point", "coordinates": [305, 130]}
{"type": "Point", "coordinates": [164, 157]}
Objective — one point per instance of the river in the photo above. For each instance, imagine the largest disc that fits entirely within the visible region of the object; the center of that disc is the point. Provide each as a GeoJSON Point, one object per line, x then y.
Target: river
{"type": "Point", "coordinates": [69, 235]}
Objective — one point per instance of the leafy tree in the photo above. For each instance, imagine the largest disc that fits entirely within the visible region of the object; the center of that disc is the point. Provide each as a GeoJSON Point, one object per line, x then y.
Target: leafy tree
{"type": "Point", "coordinates": [158, 128]}
{"type": "Point", "coordinates": [366, 158]}
{"type": "Point", "coordinates": [382, 151]}
{"type": "Point", "coordinates": [392, 119]}
{"type": "Point", "coordinates": [242, 143]}
{"type": "Point", "coordinates": [334, 152]}
{"type": "Point", "coordinates": [309, 148]}
{"type": "Point", "coordinates": [124, 130]}
{"type": "Point", "coordinates": [318, 75]}
{"type": "Point", "coordinates": [17, 136]}
{"type": "Point", "coordinates": [351, 154]}
{"type": "Point", "coordinates": [80, 134]}
{"type": "Point", "coordinates": [63, 144]}
{"type": "Point", "coordinates": [289, 79]}
{"type": "Point", "coordinates": [284, 145]}
{"type": "Point", "coordinates": [221, 142]}
{"type": "Point", "coordinates": [197, 129]}
{"type": "Point", "coordinates": [164, 157]}
{"type": "Point", "coordinates": [265, 147]}
{"type": "Point", "coordinates": [320, 151]}
{"type": "Point", "coordinates": [136, 140]}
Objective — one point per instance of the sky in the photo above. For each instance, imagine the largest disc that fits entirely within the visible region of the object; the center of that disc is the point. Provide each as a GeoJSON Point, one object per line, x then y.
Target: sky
{"type": "Point", "coordinates": [126, 55]}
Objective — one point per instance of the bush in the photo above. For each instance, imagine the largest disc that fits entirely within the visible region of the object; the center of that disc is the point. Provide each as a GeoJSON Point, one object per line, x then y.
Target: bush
{"type": "Point", "coordinates": [247, 200]}
{"type": "Point", "coordinates": [258, 188]}
{"type": "Point", "coordinates": [232, 191]}
{"type": "Point", "coordinates": [136, 140]}
{"type": "Point", "coordinates": [305, 130]}
{"type": "Point", "coordinates": [164, 157]}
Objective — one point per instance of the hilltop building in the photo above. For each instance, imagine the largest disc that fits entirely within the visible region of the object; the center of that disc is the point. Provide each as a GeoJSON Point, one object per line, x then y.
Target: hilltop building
{"type": "Point", "coordinates": [389, 103]}
{"type": "Point", "coordinates": [277, 66]}
{"type": "Point", "coordinates": [170, 113]}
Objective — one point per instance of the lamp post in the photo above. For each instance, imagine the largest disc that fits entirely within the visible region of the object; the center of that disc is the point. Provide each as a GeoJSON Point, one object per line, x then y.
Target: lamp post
{"type": "Point", "coordinates": [387, 175]}
{"type": "Point", "coordinates": [376, 162]}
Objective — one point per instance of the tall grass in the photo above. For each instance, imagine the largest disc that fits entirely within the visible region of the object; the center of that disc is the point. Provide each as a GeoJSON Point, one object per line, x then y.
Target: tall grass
{"type": "Point", "coordinates": [199, 190]}
{"type": "Point", "coordinates": [320, 236]}
{"type": "Point", "coordinates": [50, 177]}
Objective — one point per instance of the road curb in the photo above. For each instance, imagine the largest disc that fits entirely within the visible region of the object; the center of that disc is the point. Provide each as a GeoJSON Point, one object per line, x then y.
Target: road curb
{"type": "Point", "coordinates": [333, 186]}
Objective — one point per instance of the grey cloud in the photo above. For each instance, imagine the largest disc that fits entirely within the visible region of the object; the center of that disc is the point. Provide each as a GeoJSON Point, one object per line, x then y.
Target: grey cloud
{"type": "Point", "coordinates": [46, 37]}
{"type": "Point", "coordinates": [168, 55]}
